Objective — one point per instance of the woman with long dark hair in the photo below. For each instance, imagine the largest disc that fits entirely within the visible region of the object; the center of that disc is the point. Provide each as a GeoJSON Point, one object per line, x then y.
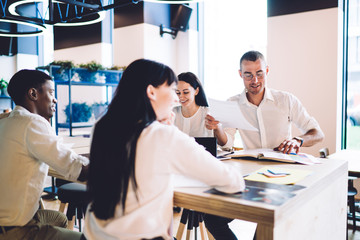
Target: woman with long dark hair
{"type": "Point", "coordinates": [134, 154]}
{"type": "Point", "coordinates": [190, 115]}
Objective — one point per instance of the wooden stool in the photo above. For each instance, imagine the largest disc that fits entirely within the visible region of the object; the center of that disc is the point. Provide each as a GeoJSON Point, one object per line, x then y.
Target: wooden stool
{"type": "Point", "coordinates": [194, 220]}
{"type": "Point", "coordinates": [76, 196]}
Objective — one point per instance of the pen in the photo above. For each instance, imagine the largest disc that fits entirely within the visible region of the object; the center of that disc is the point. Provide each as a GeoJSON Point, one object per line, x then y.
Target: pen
{"type": "Point", "coordinates": [228, 153]}
{"type": "Point", "coordinates": [278, 173]}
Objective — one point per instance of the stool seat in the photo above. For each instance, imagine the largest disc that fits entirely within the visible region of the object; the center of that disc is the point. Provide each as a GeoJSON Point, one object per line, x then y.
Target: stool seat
{"type": "Point", "coordinates": [73, 192]}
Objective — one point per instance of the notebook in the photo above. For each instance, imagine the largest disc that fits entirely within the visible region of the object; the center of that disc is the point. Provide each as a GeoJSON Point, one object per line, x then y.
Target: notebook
{"type": "Point", "coordinates": [209, 143]}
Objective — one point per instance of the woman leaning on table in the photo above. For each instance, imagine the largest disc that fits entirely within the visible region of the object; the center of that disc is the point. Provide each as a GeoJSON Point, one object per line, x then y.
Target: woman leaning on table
{"type": "Point", "coordinates": [134, 152]}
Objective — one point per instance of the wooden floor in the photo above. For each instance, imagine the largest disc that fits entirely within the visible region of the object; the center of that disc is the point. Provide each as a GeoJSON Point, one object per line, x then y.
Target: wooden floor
{"type": "Point", "coordinates": [242, 229]}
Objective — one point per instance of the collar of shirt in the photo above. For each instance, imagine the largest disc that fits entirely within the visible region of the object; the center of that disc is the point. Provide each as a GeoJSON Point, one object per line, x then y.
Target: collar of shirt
{"type": "Point", "coordinates": [267, 96]}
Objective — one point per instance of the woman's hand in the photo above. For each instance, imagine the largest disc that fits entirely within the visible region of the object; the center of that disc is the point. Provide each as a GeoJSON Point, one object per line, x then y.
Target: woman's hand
{"type": "Point", "coordinates": [211, 123]}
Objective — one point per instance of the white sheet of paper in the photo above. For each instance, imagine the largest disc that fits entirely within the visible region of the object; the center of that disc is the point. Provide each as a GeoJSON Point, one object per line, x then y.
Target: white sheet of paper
{"type": "Point", "coordinates": [229, 114]}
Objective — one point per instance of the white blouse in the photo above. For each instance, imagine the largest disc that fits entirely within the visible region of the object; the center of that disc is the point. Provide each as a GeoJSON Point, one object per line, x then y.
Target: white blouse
{"type": "Point", "coordinates": [162, 151]}
{"type": "Point", "coordinates": [193, 126]}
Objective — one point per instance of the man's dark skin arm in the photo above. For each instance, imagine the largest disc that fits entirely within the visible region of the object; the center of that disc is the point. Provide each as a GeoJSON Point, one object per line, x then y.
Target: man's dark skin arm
{"type": "Point", "coordinates": [84, 174]}
{"type": "Point", "coordinates": [84, 171]}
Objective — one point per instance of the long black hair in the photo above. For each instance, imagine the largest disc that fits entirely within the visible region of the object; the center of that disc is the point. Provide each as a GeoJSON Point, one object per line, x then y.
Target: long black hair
{"type": "Point", "coordinates": [113, 147]}
{"type": "Point", "coordinates": [190, 78]}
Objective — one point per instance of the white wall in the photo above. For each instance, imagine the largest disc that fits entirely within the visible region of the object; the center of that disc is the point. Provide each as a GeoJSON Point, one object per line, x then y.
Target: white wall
{"type": "Point", "coordinates": [161, 49]}
{"type": "Point", "coordinates": [302, 54]}
{"type": "Point", "coordinates": [128, 44]}
{"type": "Point", "coordinates": [8, 67]}
{"type": "Point", "coordinates": [11, 64]}
{"type": "Point", "coordinates": [187, 52]}
{"type": "Point", "coordinates": [144, 41]}
{"type": "Point", "coordinates": [99, 52]}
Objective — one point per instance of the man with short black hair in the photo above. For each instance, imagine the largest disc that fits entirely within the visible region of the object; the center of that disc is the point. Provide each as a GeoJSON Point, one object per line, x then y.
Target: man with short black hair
{"type": "Point", "coordinates": [28, 146]}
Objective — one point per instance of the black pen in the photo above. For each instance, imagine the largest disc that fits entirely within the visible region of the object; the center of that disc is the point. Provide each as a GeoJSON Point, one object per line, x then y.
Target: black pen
{"type": "Point", "coordinates": [228, 153]}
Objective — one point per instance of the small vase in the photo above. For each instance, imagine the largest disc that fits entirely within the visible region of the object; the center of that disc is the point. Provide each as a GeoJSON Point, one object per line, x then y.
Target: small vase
{"type": "Point", "coordinates": [4, 92]}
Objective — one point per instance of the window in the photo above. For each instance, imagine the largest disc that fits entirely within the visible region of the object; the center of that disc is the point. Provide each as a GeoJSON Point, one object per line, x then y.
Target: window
{"type": "Point", "coordinates": [352, 127]}
{"type": "Point", "coordinates": [231, 28]}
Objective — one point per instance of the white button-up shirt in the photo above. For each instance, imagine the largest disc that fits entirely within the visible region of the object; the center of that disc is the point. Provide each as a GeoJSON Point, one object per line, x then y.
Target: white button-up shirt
{"type": "Point", "coordinates": [28, 146]}
{"type": "Point", "coordinates": [273, 117]}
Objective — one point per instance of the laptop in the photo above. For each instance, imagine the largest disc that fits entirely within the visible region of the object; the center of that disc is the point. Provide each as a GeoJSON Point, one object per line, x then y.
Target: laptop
{"type": "Point", "coordinates": [209, 143]}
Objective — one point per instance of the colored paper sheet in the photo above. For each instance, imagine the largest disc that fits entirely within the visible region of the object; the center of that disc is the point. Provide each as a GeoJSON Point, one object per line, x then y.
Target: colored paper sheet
{"type": "Point", "coordinates": [294, 175]}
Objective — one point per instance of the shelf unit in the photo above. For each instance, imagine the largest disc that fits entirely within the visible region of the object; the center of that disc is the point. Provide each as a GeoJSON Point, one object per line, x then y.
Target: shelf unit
{"type": "Point", "coordinates": [67, 79]}
{"type": "Point", "coordinates": [8, 103]}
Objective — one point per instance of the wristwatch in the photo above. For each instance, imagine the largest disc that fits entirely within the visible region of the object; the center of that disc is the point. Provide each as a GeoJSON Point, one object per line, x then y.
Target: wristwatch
{"type": "Point", "coordinates": [299, 139]}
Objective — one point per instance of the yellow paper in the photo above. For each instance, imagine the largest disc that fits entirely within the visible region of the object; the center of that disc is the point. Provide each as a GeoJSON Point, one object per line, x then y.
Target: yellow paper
{"type": "Point", "coordinates": [294, 176]}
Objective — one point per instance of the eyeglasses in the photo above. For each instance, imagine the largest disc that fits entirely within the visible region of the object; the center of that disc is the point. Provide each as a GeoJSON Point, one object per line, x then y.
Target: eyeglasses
{"type": "Point", "coordinates": [249, 76]}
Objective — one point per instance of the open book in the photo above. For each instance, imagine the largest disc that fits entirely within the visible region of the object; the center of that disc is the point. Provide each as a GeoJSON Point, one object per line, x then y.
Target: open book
{"type": "Point", "coordinates": [269, 154]}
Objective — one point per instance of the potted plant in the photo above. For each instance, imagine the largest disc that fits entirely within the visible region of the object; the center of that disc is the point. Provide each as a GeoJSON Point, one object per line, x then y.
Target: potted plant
{"type": "Point", "coordinates": [99, 109]}
{"type": "Point", "coordinates": [81, 112]}
{"type": "Point", "coordinates": [91, 73]}
{"type": "Point", "coordinates": [3, 86]}
{"type": "Point", "coordinates": [114, 74]}
{"type": "Point", "coordinates": [59, 69]}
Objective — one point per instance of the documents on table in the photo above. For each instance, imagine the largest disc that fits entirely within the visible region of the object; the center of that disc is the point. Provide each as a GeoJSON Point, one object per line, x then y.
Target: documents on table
{"type": "Point", "coordinates": [269, 154]}
{"type": "Point", "coordinates": [291, 176]}
{"type": "Point", "coordinates": [229, 114]}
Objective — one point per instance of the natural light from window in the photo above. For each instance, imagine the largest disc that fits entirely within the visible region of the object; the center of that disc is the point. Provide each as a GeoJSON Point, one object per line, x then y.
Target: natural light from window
{"type": "Point", "coordinates": [231, 28]}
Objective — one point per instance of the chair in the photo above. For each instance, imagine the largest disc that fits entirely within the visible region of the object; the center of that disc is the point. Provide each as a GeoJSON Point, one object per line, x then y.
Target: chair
{"type": "Point", "coordinates": [324, 152]}
{"type": "Point", "coordinates": [77, 198]}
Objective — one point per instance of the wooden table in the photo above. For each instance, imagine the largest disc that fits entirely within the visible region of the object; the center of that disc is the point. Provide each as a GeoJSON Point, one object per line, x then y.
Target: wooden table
{"type": "Point", "coordinates": [316, 212]}
{"type": "Point", "coordinates": [80, 145]}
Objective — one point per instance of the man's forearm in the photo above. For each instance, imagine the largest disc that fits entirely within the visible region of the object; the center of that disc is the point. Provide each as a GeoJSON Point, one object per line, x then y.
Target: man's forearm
{"type": "Point", "coordinates": [312, 137]}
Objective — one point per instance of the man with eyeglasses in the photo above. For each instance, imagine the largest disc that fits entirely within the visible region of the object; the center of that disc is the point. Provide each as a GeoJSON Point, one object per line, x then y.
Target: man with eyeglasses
{"type": "Point", "coordinates": [272, 112]}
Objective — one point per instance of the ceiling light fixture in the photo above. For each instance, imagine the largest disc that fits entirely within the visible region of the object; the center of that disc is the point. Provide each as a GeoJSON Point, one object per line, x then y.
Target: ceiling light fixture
{"type": "Point", "coordinates": [63, 17]}
{"type": "Point", "coordinates": [37, 28]}
{"type": "Point", "coordinates": [173, 1]}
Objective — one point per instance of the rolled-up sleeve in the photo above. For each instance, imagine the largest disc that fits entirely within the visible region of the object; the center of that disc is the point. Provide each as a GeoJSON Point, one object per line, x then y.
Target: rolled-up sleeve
{"type": "Point", "coordinates": [230, 134]}
{"type": "Point", "coordinates": [301, 117]}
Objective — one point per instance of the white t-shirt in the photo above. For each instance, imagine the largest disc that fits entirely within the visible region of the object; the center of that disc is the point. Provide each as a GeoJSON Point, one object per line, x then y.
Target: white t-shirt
{"type": "Point", "coordinates": [273, 117]}
{"type": "Point", "coordinates": [193, 126]}
{"type": "Point", "coordinates": [162, 151]}
{"type": "Point", "coordinates": [28, 146]}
